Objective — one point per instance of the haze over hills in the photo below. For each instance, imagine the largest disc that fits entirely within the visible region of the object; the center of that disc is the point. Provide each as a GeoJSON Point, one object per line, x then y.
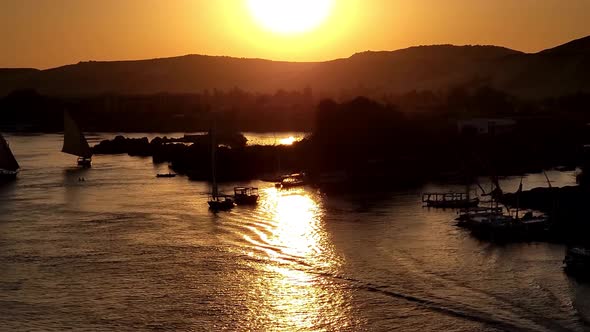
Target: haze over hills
{"type": "Point", "coordinates": [557, 71]}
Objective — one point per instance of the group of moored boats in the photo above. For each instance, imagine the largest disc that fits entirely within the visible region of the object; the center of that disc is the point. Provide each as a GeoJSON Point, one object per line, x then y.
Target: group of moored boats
{"type": "Point", "coordinates": [492, 221]}
{"type": "Point", "coordinates": [241, 196]}
{"type": "Point", "coordinates": [501, 224]}
{"type": "Point", "coordinates": [221, 202]}
{"type": "Point", "coordinates": [249, 195]}
{"type": "Point", "coordinates": [494, 224]}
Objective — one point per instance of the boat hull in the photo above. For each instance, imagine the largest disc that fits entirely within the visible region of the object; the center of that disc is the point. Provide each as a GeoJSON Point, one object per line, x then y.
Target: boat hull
{"type": "Point", "coordinates": [85, 162]}
{"type": "Point", "coordinates": [166, 175]}
{"type": "Point", "coordinates": [7, 176]}
{"type": "Point", "coordinates": [246, 199]}
{"type": "Point", "coordinates": [221, 205]}
{"type": "Point", "coordinates": [464, 204]}
{"type": "Point", "coordinates": [507, 229]}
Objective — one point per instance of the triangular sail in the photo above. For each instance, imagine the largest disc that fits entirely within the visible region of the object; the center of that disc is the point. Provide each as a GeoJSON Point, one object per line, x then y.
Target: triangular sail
{"type": "Point", "coordinates": [7, 160]}
{"type": "Point", "coordinates": [74, 141]}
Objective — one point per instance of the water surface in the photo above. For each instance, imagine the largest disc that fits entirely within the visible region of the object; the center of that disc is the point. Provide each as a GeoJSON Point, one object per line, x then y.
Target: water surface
{"type": "Point", "coordinates": [125, 251]}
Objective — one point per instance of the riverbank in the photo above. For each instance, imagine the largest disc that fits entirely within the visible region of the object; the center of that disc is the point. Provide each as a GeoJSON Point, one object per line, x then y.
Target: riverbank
{"type": "Point", "coordinates": [191, 155]}
{"type": "Point", "coordinates": [357, 170]}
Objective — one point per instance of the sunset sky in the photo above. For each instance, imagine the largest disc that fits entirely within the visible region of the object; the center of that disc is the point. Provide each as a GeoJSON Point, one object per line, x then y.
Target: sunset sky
{"type": "Point", "coordinates": [50, 33]}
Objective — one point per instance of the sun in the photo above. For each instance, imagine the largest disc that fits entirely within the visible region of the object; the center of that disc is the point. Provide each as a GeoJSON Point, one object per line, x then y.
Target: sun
{"type": "Point", "coordinates": [290, 16]}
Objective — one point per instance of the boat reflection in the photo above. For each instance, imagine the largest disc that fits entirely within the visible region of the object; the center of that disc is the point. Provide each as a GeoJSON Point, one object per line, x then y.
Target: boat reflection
{"type": "Point", "coordinates": [298, 288]}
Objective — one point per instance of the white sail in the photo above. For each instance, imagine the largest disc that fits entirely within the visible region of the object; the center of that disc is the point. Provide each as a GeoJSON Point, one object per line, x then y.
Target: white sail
{"type": "Point", "coordinates": [74, 141]}
{"type": "Point", "coordinates": [7, 160]}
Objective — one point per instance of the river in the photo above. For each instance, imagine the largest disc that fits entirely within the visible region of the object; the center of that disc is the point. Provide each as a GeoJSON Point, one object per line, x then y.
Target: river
{"type": "Point", "coordinates": [125, 251]}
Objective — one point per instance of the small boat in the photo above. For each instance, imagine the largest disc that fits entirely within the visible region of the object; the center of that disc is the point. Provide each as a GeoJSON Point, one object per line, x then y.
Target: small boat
{"type": "Point", "coordinates": [165, 175]}
{"type": "Point", "coordinates": [511, 226]}
{"type": "Point", "coordinates": [293, 180]}
{"type": "Point", "coordinates": [220, 202]}
{"type": "Point", "coordinates": [505, 227]}
{"type": "Point", "coordinates": [450, 200]}
{"type": "Point", "coordinates": [75, 143]}
{"type": "Point", "coordinates": [246, 195]}
{"type": "Point", "coordinates": [467, 215]}
{"type": "Point", "coordinates": [8, 165]}
{"type": "Point", "coordinates": [577, 261]}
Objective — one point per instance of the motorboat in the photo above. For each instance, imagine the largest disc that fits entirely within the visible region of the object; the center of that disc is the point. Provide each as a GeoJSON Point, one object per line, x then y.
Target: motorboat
{"type": "Point", "coordinates": [293, 180]}
{"type": "Point", "coordinates": [246, 195]}
{"type": "Point", "coordinates": [221, 202]}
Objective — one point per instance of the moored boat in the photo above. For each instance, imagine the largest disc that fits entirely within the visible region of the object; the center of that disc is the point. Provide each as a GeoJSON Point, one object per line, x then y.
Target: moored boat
{"type": "Point", "coordinates": [221, 202]}
{"type": "Point", "coordinates": [449, 200]}
{"type": "Point", "coordinates": [468, 215]}
{"type": "Point", "coordinates": [498, 226]}
{"type": "Point", "coordinates": [293, 180]}
{"type": "Point", "coordinates": [217, 201]}
{"type": "Point", "coordinates": [246, 195]}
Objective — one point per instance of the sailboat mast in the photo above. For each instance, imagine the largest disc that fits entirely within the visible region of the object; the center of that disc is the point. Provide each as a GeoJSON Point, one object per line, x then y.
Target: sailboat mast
{"type": "Point", "coordinates": [214, 191]}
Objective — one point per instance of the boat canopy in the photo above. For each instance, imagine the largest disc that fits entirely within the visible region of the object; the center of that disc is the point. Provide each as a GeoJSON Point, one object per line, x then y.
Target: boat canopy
{"type": "Point", "coordinates": [74, 141]}
{"type": "Point", "coordinates": [7, 160]}
{"type": "Point", "coordinates": [246, 191]}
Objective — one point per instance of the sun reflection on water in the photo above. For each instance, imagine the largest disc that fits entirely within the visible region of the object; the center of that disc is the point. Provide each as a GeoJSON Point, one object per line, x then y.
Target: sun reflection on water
{"type": "Point", "coordinates": [297, 218]}
{"type": "Point", "coordinates": [287, 141]}
{"type": "Point", "coordinates": [296, 288]}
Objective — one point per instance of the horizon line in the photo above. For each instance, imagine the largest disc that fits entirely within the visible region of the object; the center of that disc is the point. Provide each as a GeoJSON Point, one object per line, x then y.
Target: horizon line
{"type": "Point", "coordinates": [280, 60]}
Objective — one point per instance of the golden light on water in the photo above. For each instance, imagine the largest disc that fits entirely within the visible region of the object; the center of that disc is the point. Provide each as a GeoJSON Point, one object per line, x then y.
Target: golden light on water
{"type": "Point", "coordinates": [296, 294]}
{"type": "Point", "coordinates": [287, 141]}
{"type": "Point", "coordinates": [290, 16]}
{"type": "Point", "coordinates": [297, 219]}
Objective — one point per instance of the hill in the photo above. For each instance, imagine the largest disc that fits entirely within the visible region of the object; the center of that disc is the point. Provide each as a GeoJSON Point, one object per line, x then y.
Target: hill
{"type": "Point", "coordinates": [557, 71]}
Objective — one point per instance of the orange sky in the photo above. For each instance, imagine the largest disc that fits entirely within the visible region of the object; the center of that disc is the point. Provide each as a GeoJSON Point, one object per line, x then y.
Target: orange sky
{"type": "Point", "coordinates": [49, 33]}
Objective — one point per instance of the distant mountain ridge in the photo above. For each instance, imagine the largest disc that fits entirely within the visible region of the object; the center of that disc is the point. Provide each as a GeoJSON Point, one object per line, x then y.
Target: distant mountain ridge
{"type": "Point", "coordinates": [553, 72]}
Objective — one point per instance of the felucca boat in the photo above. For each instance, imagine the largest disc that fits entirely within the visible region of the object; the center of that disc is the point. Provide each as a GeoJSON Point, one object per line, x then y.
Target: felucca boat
{"type": "Point", "coordinates": [8, 164]}
{"type": "Point", "coordinates": [75, 143]}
